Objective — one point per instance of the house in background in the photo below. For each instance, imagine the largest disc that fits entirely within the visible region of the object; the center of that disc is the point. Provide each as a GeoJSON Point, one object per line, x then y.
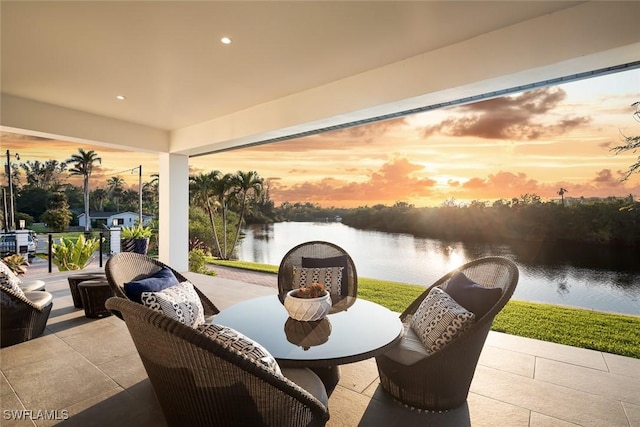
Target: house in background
{"type": "Point", "coordinates": [123, 219]}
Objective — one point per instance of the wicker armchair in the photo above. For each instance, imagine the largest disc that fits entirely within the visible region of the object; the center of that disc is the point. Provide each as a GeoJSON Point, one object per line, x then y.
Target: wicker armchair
{"type": "Point", "coordinates": [200, 382]}
{"type": "Point", "coordinates": [23, 317]}
{"type": "Point", "coordinates": [328, 255]}
{"type": "Point", "coordinates": [441, 380]}
{"type": "Point", "coordinates": [125, 267]}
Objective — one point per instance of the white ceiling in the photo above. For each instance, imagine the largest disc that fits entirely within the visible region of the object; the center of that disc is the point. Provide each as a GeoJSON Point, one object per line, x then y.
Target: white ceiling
{"type": "Point", "coordinates": [166, 57]}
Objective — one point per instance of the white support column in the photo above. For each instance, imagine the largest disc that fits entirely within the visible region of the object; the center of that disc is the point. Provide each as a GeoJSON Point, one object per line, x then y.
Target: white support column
{"type": "Point", "coordinates": [173, 238]}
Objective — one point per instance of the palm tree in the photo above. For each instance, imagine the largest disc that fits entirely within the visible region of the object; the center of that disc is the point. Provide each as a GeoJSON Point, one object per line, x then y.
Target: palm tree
{"type": "Point", "coordinates": [116, 186]}
{"type": "Point", "coordinates": [223, 190]}
{"type": "Point", "coordinates": [202, 194]}
{"type": "Point", "coordinates": [99, 196]}
{"type": "Point", "coordinates": [83, 165]}
{"type": "Point", "coordinates": [561, 193]}
{"type": "Point", "coordinates": [150, 193]}
{"type": "Point", "coordinates": [245, 183]}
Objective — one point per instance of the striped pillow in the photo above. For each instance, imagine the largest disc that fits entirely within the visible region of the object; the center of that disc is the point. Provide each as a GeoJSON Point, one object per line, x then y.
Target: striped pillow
{"type": "Point", "coordinates": [234, 340]}
{"type": "Point", "coordinates": [439, 319]}
{"type": "Point", "coordinates": [330, 277]}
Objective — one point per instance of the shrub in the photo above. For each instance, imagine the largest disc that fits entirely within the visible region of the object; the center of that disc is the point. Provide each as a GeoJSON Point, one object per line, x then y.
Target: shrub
{"type": "Point", "coordinates": [16, 263]}
{"type": "Point", "coordinates": [197, 261]}
{"type": "Point", "coordinates": [69, 255]}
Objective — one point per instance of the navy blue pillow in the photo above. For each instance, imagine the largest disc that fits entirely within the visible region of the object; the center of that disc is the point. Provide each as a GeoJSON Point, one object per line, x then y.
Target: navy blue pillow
{"type": "Point", "coordinates": [475, 298]}
{"type": "Point", "coordinates": [336, 261]}
{"type": "Point", "coordinates": [158, 281]}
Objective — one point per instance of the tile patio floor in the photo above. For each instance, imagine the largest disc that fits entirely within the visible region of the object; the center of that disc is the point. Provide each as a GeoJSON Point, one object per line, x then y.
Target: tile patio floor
{"type": "Point", "coordinates": [90, 369]}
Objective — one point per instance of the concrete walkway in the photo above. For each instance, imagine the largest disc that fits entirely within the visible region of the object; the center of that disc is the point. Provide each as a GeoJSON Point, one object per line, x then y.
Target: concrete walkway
{"type": "Point", "coordinates": [87, 372]}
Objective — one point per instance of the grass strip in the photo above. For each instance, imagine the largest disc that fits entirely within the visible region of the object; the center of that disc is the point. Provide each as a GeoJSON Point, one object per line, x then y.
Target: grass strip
{"type": "Point", "coordinates": [611, 333]}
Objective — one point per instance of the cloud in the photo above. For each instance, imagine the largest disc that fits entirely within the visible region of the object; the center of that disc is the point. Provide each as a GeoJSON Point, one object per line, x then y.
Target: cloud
{"type": "Point", "coordinates": [509, 117]}
{"type": "Point", "coordinates": [338, 139]}
{"type": "Point", "coordinates": [393, 181]}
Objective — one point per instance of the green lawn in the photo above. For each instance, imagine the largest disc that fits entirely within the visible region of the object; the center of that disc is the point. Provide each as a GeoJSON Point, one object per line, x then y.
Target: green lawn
{"type": "Point", "coordinates": [611, 333]}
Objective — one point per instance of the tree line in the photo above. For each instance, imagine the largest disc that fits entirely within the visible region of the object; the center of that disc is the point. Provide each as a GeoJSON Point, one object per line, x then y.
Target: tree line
{"type": "Point", "coordinates": [610, 221]}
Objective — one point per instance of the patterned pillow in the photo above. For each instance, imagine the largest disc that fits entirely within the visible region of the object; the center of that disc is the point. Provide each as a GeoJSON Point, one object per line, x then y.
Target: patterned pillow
{"type": "Point", "coordinates": [9, 280]}
{"type": "Point", "coordinates": [439, 319]}
{"type": "Point", "coordinates": [335, 261]}
{"type": "Point", "coordinates": [234, 340]}
{"type": "Point", "coordinates": [330, 277]}
{"type": "Point", "coordinates": [180, 302]}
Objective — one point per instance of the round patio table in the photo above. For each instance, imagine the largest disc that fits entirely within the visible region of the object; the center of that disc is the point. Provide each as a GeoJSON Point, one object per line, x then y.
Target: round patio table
{"type": "Point", "coordinates": [362, 330]}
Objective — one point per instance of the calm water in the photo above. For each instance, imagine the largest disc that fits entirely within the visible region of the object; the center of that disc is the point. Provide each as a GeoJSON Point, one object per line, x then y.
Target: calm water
{"type": "Point", "coordinates": [593, 279]}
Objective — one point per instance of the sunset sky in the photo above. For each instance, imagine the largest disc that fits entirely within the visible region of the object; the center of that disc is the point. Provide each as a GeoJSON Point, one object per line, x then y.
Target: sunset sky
{"type": "Point", "coordinates": [532, 142]}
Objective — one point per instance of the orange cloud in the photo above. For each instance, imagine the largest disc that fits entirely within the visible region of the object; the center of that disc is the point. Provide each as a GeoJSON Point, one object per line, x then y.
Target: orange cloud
{"type": "Point", "coordinates": [392, 182]}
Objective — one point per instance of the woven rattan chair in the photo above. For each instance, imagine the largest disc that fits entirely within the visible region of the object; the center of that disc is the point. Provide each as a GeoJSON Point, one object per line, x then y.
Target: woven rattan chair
{"type": "Point", "coordinates": [200, 382]}
{"type": "Point", "coordinates": [125, 267]}
{"type": "Point", "coordinates": [442, 379]}
{"type": "Point", "coordinates": [23, 317]}
{"type": "Point", "coordinates": [317, 251]}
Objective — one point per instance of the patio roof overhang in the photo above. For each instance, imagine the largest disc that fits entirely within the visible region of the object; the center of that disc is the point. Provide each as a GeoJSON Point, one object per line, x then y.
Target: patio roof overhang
{"type": "Point", "coordinates": [298, 68]}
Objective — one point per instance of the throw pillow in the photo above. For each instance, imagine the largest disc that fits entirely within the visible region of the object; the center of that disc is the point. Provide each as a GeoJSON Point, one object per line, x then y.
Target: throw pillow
{"type": "Point", "coordinates": [180, 302]}
{"type": "Point", "coordinates": [330, 277]}
{"type": "Point", "coordinates": [9, 280]}
{"type": "Point", "coordinates": [234, 340]}
{"type": "Point", "coordinates": [336, 261]}
{"type": "Point", "coordinates": [439, 319]}
{"type": "Point", "coordinates": [470, 295]}
{"type": "Point", "coordinates": [158, 281]}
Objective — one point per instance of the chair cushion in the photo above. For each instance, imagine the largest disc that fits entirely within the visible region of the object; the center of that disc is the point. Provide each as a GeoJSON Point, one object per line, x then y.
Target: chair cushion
{"type": "Point", "coordinates": [410, 349]}
{"type": "Point", "coordinates": [180, 302]}
{"type": "Point", "coordinates": [330, 277]}
{"type": "Point", "coordinates": [308, 380]}
{"type": "Point", "coordinates": [245, 346]}
{"type": "Point", "coordinates": [475, 298]}
{"type": "Point", "coordinates": [439, 319]}
{"type": "Point", "coordinates": [158, 281]}
{"type": "Point", "coordinates": [32, 285]}
{"type": "Point", "coordinates": [39, 298]}
{"type": "Point", "coordinates": [335, 261]}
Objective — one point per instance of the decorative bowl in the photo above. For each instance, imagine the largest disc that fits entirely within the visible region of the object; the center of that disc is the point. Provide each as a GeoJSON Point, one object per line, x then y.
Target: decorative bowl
{"type": "Point", "coordinates": [307, 309]}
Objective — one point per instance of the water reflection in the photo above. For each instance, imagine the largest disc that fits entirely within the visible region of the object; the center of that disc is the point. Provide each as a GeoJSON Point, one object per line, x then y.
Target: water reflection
{"type": "Point", "coordinates": [582, 276]}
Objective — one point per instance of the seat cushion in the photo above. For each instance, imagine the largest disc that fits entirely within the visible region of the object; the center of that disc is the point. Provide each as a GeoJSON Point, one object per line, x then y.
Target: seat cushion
{"type": "Point", "coordinates": [32, 285]}
{"type": "Point", "coordinates": [308, 380]}
{"type": "Point", "coordinates": [158, 281]}
{"type": "Point", "coordinates": [439, 319]}
{"type": "Point", "coordinates": [180, 302]}
{"type": "Point", "coordinates": [39, 298]}
{"type": "Point", "coordinates": [472, 296]}
{"type": "Point", "coordinates": [245, 346]}
{"type": "Point", "coordinates": [410, 349]}
{"type": "Point", "coordinates": [330, 277]}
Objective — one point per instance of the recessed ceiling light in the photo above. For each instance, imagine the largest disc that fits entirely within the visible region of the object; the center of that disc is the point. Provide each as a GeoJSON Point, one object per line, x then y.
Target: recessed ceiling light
{"type": "Point", "coordinates": [225, 40]}
{"type": "Point", "coordinates": [121, 97]}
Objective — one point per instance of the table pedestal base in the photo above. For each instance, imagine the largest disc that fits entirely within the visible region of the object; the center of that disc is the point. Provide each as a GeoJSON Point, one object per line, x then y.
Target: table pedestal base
{"type": "Point", "coordinates": [330, 377]}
